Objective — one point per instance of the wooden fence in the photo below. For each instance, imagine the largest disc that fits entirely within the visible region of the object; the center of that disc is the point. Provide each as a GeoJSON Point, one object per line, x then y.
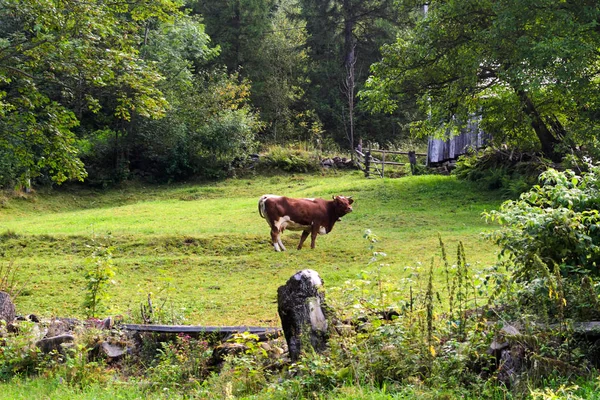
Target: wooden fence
{"type": "Point", "coordinates": [372, 165]}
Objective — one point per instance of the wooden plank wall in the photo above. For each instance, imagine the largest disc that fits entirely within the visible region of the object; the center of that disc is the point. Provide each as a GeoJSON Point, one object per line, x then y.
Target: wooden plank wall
{"type": "Point", "coordinates": [471, 137]}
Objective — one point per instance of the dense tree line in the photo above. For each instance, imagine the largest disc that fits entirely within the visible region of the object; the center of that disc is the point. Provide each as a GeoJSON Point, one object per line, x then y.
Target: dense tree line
{"type": "Point", "coordinates": [168, 89]}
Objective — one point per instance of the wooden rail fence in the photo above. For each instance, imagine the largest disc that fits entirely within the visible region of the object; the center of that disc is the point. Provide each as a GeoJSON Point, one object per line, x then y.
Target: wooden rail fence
{"type": "Point", "coordinates": [370, 164]}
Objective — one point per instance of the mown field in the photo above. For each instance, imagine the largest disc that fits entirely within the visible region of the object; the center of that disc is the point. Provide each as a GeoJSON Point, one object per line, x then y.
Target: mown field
{"type": "Point", "coordinates": [203, 252]}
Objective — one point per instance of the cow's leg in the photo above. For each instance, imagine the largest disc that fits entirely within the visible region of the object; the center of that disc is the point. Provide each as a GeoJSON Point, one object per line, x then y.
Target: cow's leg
{"type": "Point", "coordinates": [280, 242]}
{"type": "Point", "coordinates": [313, 236]}
{"type": "Point", "coordinates": [302, 239]}
{"type": "Point", "coordinates": [276, 240]}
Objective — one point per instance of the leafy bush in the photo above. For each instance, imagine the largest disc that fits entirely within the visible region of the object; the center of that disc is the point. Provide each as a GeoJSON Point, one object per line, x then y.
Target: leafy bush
{"type": "Point", "coordinates": [555, 223]}
{"type": "Point", "coordinates": [243, 372]}
{"type": "Point", "coordinates": [551, 237]}
{"type": "Point", "coordinates": [289, 159]}
{"type": "Point", "coordinates": [208, 127]}
{"type": "Point", "coordinates": [103, 153]}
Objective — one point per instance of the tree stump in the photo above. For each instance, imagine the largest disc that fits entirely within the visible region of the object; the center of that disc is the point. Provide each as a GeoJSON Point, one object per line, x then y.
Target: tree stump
{"type": "Point", "coordinates": [7, 308]}
{"type": "Point", "coordinates": [303, 321]}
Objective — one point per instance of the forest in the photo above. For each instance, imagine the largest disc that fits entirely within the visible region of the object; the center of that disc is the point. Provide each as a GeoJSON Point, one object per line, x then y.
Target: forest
{"type": "Point", "coordinates": [104, 92]}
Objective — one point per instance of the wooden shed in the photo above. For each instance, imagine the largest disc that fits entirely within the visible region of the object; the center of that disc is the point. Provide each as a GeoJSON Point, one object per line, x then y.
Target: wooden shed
{"type": "Point", "coordinates": [471, 138]}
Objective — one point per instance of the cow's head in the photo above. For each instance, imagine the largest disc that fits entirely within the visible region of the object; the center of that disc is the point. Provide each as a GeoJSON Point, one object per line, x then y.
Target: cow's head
{"type": "Point", "coordinates": [343, 204]}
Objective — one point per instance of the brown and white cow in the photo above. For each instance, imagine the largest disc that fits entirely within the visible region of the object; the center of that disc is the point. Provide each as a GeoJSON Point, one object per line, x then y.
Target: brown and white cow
{"type": "Point", "coordinates": [311, 216]}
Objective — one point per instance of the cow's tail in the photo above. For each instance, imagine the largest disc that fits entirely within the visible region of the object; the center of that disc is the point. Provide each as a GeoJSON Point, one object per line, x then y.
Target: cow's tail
{"type": "Point", "coordinates": [261, 205]}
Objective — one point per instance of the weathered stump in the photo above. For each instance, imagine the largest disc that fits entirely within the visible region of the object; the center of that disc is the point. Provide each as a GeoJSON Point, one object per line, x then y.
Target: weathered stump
{"type": "Point", "coordinates": [510, 357]}
{"type": "Point", "coordinates": [7, 308]}
{"type": "Point", "coordinates": [303, 321]}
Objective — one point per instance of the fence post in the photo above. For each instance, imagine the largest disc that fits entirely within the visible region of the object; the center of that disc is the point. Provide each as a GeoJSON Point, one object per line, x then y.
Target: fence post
{"type": "Point", "coordinates": [367, 162]}
{"type": "Point", "coordinates": [412, 158]}
{"type": "Point", "coordinates": [382, 163]}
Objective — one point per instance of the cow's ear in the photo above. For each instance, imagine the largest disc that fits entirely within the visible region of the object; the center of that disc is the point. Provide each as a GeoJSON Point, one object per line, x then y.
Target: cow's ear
{"type": "Point", "coordinates": [333, 197]}
{"type": "Point", "coordinates": [350, 199]}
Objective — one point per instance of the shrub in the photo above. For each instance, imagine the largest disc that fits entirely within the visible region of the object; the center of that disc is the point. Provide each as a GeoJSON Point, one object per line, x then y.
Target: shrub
{"type": "Point", "coordinates": [289, 159]}
{"type": "Point", "coordinates": [103, 152]}
{"type": "Point", "coordinates": [555, 223]}
{"type": "Point", "coordinates": [551, 238]}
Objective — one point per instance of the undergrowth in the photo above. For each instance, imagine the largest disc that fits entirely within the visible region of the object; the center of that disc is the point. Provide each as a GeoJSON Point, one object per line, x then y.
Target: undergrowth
{"type": "Point", "coordinates": [508, 170]}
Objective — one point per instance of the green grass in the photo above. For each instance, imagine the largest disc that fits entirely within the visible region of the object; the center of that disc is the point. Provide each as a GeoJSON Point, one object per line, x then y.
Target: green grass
{"type": "Point", "coordinates": [52, 388]}
{"type": "Point", "coordinates": [205, 251]}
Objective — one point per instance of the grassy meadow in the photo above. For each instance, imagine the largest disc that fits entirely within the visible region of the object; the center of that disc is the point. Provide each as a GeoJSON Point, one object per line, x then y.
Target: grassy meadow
{"type": "Point", "coordinates": [202, 250]}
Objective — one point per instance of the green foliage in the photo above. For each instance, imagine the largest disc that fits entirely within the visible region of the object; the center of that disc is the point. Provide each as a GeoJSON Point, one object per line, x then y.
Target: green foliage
{"type": "Point", "coordinates": [555, 223]}
{"type": "Point", "coordinates": [77, 369]}
{"type": "Point", "coordinates": [18, 353]}
{"type": "Point", "coordinates": [551, 239]}
{"type": "Point", "coordinates": [103, 154]}
{"type": "Point", "coordinates": [339, 33]}
{"type": "Point", "coordinates": [280, 77]}
{"type": "Point", "coordinates": [67, 60]}
{"type": "Point", "coordinates": [98, 275]}
{"type": "Point", "coordinates": [506, 61]}
{"type": "Point", "coordinates": [183, 361]}
{"type": "Point", "coordinates": [512, 172]}
{"type": "Point", "coordinates": [289, 159]}
{"type": "Point", "coordinates": [210, 128]}
{"type": "Point", "coordinates": [245, 371]}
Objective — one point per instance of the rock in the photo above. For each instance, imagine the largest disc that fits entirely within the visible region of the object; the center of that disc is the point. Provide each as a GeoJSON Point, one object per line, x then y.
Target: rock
{"type": "Point", "coordinates": [113, 351]}
{"type": "Point", "coordinates": [328, 163]}
{"type": "Point", "coordinates": [266, 346]}
{"type": "Point", "coordinates": [107, 323]}
{"type": "Point", "coordinates": [30, 318]}
{"type": "Point", "coordinates": [54, 343]}
{"type": "Point", "coordinates": [7, 308]}
{"type": "Point", "coordinates": [61, 326]}
{"type": "Point", "coordinates": [300, 309]}
{"type": "Point", "coordinates": [225, 349]}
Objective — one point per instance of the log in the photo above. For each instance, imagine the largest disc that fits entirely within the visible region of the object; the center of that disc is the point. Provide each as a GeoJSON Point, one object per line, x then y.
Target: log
{"type": "Point", "coordinates": [263, 333]}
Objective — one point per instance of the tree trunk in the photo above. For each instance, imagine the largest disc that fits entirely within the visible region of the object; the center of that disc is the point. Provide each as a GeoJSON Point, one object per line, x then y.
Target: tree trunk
{"type": "Point", "coordinates": [349, 63]}
{"type": "Point", "coordinates": [548, 139]}
{"type": "Point", "coordinates": [303, 320]}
